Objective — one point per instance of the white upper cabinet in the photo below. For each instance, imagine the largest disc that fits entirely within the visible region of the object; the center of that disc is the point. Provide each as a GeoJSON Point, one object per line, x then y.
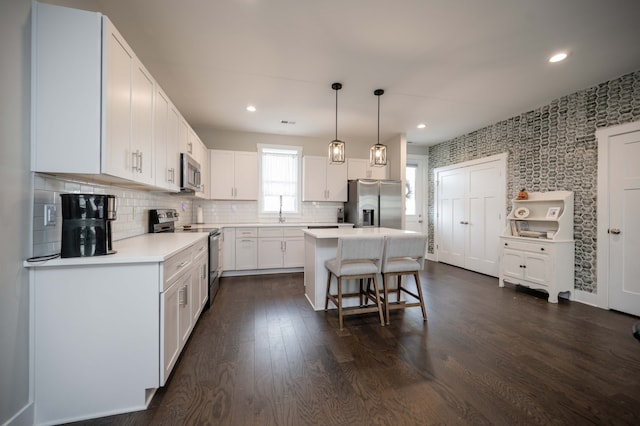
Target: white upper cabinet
{"type": "Point", "coordinates": [360, 168]}
{"type": "Point", "coordinates": [201, 155]}
{"type": "Point", "coordinates": [323, 181]}
{"type": "Point", "coordinates": [165, 139]}
{"type": "Point", "coordinates": [129, 91]}
{"type": "Point", "coordinates": [234, 175]}
{"type": "Point", "coordinates": [94, 104]}
{"type": "Point", "coordinates": [185, 145]}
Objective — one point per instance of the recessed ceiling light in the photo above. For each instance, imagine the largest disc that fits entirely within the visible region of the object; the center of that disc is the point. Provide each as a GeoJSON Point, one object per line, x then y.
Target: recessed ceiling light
{"type": "Point", "coordinates": [421, 126]}
{"type": "Point", "coordinates": [558, 57]}
{"type": "Point", "coordinates": [251, 108]}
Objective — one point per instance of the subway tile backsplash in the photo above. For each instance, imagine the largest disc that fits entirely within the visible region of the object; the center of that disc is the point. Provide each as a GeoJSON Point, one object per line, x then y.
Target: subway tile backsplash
{"type": "Point", "coordinates": [133, 210]}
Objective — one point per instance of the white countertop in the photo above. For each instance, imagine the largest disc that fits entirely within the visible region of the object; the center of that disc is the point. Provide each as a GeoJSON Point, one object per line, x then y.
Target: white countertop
{"type": "Point", "coordinates": [147, 248]}
{"type": "Point", "coordinates": [266, 224]}
{"type": "Point", "coordinates": [336, 233]}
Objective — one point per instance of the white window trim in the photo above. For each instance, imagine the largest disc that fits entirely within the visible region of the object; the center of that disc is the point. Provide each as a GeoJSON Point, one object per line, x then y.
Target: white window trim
{"type": "Point", "coordinates": [288, 215]}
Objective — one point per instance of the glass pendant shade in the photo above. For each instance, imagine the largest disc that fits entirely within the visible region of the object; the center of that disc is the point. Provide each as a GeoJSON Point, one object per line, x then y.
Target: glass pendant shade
{"type": "Point", "coordinates": [336, 152]}
{"type": "Point", "coordinates": [378, 152]}
{"type": "Point", "coordinates": [378, 155]}
{"type": "Point", "coordinates": [336, 147]}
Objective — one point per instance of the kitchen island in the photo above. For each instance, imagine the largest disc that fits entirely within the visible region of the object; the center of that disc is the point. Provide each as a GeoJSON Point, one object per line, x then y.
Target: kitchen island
{"type": "Point", "coordinates": [319, 246]}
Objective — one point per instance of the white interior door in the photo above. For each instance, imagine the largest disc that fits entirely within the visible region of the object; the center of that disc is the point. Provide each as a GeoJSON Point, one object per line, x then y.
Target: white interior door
{"type": "Point", "coordinates": [624, 225]}
{"type": "Point", "coordinates": [451, 216]}
{"type": "Point", "coordinates": [485, 207]}
{"type": "Point", "coordinates": [415, 193]}
{"type": "Point", "coordinates": [470, 209]}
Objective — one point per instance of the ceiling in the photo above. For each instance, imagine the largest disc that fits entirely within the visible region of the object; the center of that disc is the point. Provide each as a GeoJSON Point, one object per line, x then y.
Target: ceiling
{"type": "Point", "coordinates": [455, 65]}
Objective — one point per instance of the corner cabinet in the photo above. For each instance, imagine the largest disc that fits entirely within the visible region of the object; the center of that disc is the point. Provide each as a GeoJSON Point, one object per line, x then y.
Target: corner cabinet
{"type": "Point", "coordinates": [323, 181]}
{"type": "Point", "coordinates": [537, 246]}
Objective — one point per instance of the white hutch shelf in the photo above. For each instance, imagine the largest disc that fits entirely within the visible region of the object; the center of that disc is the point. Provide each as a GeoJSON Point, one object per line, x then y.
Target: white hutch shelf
{"type": "Point", "coordinates": [537, 246]}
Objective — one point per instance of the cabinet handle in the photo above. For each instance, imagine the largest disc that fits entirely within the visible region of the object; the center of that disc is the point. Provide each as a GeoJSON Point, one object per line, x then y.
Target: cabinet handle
{"type": "Point", "coordinates": [204, 271]}
{"type": "Point", "coordinates": [183, 264]}
{"type": "Point", "coordinates": [140, 163]}
{"type": "Point", "coordinates": [614, 231]}
{"type": "Point", "coordinates": [506, 244]}
{"type": "Point", "coordinates": [134, 161]}
{"type": "Point", "coordinates": [541, 248]}
{"type": "Point", "coordinates": [190, 148]}
{"type": "Point", "coordinates": [183, 296]}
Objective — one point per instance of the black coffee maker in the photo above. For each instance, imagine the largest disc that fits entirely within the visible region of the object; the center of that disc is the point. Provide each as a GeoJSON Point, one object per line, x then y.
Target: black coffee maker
{"type": "Point", "coordinates": [86, 224]}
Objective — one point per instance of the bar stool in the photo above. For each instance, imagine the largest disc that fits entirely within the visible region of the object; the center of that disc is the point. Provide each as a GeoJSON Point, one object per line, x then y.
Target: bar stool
{"type": "Point", "coordinates": [357, 257]}
{"type": "Point", "coordinates": [403, 255]}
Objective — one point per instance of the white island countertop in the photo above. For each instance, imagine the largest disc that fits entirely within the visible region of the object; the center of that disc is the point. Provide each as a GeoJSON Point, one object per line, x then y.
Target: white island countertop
{"type": "Point", "coordinates": [146, 248]}
{"type": "Point", "coordinates": [336, 233]}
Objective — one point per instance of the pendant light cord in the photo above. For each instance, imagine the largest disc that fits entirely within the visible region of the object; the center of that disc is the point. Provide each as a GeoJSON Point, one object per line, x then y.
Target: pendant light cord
{"type": "Point", "coordinates": [336, 114]}
{"type": "Point", "coordinates": [378, 93]}
{"type": "Point", "coordinates": [378, 119]}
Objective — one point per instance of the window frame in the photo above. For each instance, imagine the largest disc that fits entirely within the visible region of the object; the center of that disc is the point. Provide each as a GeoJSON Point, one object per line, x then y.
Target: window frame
{"type": "Point", "coordinates": [298, 205]}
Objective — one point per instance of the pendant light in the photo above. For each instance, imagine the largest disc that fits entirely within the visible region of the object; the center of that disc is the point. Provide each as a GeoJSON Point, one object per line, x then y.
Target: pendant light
{"type": "Point", "coordinates": [336, 147]}
{"type": "Point", "coordinates": [378, 153]}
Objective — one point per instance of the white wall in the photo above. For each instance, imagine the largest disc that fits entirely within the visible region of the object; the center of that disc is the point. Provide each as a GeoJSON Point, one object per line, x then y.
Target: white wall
{"type": "Point", "coordinates": [15, 207]}
{"type": "Point", "coordinates": [245, 141]}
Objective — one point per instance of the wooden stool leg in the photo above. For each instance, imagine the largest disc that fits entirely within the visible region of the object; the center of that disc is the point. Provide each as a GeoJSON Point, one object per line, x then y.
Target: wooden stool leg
{"type": "Point", "coordinates": [361, 280]}
{"type": "Point", "coordinates": [340, 319]}
{"type": "Point", "coordinates": [375, 287]}
{"type": "Point", "coordinates": [424, 311]}
{"type": "Point", "coordinates": [328, 296]}
{"type": "Point", "coordinates": [385, 289]}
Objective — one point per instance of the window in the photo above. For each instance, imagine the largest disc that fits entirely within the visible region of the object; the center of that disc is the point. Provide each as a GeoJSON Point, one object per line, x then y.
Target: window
{"type": "Point", "coordinates": [410, 190]}
{"type": "Point", "coordinates": [280, 170]}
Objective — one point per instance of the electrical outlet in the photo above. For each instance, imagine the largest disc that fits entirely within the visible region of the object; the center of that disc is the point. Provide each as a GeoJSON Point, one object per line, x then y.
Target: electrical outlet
{"type": "Point", "coordinates": [50, 215]}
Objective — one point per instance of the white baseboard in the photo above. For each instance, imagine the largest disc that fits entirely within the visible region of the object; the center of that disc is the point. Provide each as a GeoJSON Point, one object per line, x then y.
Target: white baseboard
{"type": "Point", "coordinates": [591, 299]}
{"type": "Point", "coordinates": [23, 417]}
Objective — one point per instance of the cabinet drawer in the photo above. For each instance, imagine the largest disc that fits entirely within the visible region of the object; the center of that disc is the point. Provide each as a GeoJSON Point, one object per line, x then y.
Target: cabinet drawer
{"type": "Point", "coordinates": [528, 246]}
{"type": "Point", "coordinates": [269, 232]}
{"type": "Point", "coordinates": [246, 232]}
{"type": "Point", "coordinates": [176, 264]}
{"type": "Point", "coordinates": [200, 248]}
{"type": "Point", "coordinates": [293, 232]}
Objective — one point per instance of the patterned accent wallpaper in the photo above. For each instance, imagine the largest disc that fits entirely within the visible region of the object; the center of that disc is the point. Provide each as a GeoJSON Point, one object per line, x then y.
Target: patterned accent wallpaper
{"type": "Point", "coordinates": [552, 148]}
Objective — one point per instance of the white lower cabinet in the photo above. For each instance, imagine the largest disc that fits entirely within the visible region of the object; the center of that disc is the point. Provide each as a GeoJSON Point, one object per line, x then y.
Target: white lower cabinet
{"type": "Point", "coordinates": [181, 302]}
{"type": "Point", "coordinates": [200, 279]}
{"type": "Point", "coordinates": [270, 253]}
{"type": "Point", "coordinates": [228, 260]}
{"type": "Point", "coordinates": [543, 265]}
{"type": "Point", "coordinates": [293, 256]}
{"type": "Point", "coordinates": [170, 345]}
{"type": "Point", "coordinates": [280, 247]}
{"type": "Point", "coordinates": [246, 248]}
{"type": "Point", "coordinates": [96, 340]}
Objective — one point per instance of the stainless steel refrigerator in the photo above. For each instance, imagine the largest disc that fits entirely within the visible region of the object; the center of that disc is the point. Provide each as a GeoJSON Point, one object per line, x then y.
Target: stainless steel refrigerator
{"type": "Point", "coordinates": [374, 203]}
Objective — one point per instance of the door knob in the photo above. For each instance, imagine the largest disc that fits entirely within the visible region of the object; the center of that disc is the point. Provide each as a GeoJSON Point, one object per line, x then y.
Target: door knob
{"type": "Point", "coordinates": [614, 231]}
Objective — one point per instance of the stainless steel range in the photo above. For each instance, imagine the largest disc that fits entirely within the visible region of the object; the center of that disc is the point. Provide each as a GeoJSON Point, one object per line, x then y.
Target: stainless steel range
{"type": "Point", "coordinates": [163, 220]}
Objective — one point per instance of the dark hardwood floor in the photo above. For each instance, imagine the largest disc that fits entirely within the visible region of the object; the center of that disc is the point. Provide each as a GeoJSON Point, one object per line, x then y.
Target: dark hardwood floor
{"type": "Point", "coordinates": [485, 355]}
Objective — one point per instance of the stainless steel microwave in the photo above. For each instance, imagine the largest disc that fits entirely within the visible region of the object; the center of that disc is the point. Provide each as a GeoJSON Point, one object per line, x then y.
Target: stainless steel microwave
{"type": "Point", "coordinates": [191, 174]}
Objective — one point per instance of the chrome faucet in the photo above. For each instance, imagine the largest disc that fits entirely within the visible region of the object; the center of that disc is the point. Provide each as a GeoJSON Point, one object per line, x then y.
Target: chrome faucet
{"type": "Point", "coordinates": [280, 218]}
